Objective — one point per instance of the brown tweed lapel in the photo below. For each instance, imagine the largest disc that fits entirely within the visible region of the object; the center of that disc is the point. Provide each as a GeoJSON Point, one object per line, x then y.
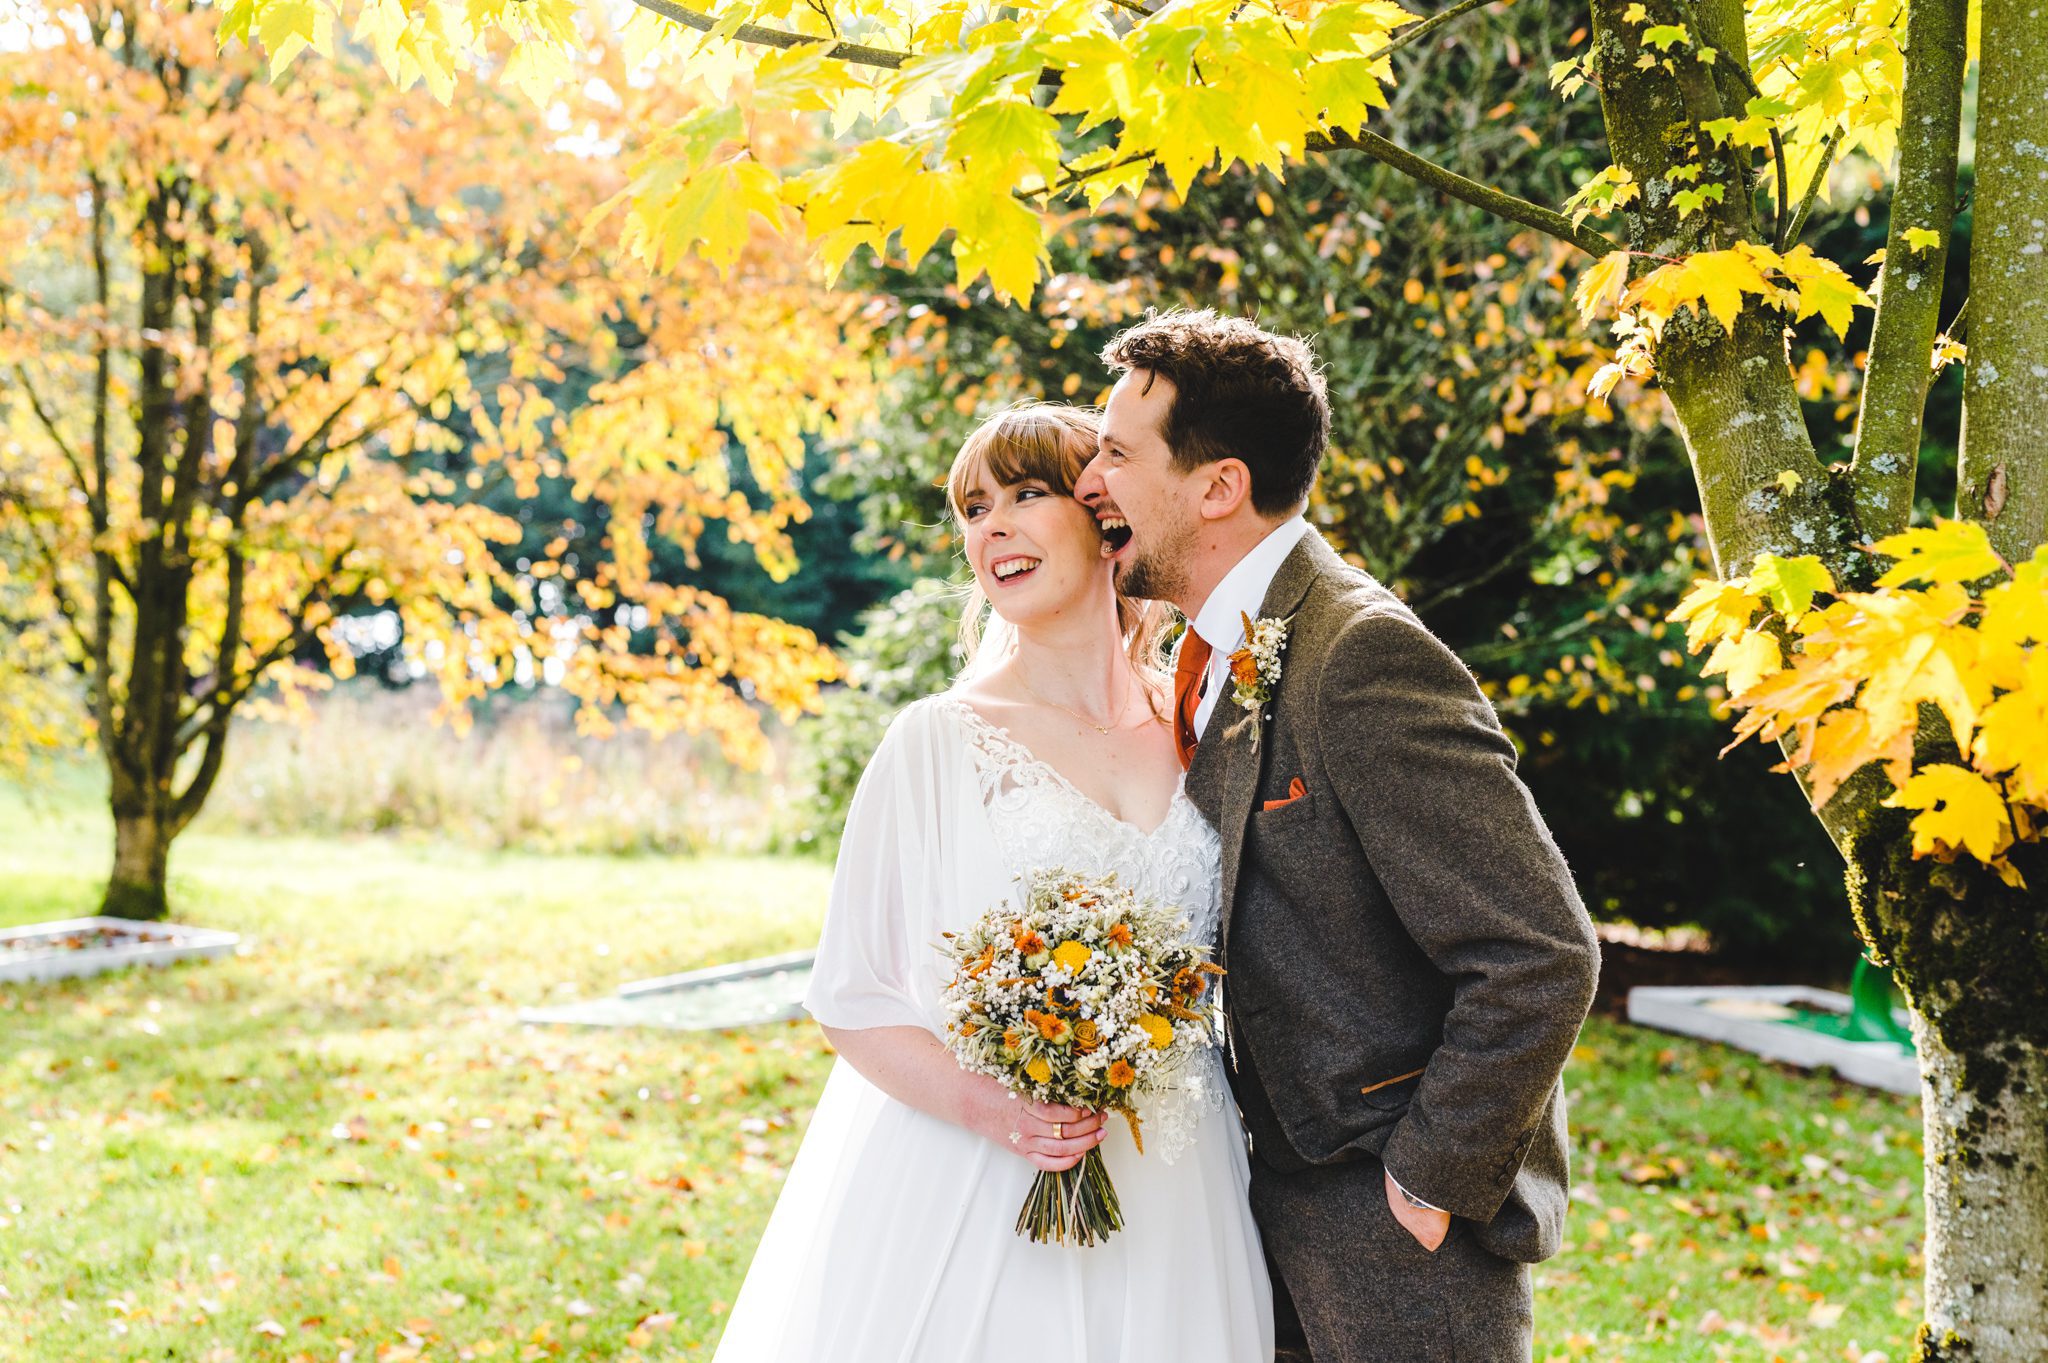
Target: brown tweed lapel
{"type": "Point", "coordinates": [1232, 735]}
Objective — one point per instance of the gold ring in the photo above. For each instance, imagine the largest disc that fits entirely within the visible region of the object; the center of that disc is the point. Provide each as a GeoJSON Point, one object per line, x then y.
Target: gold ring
{"type": "Point", "coordinates": [1059, 1131]}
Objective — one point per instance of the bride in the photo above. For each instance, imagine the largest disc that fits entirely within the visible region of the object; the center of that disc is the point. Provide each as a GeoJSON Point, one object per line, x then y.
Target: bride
{"type": "Point", "coordinates": [894, 1237]}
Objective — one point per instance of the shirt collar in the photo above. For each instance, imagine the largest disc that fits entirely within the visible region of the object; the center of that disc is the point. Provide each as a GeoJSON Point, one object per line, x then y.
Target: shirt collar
{"type": "Point", "coordinates": [1243, 589]}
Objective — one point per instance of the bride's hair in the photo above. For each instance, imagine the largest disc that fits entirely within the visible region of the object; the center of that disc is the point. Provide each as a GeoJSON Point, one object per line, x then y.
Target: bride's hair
{"type": "Point", "coordinates": [1051, 443]}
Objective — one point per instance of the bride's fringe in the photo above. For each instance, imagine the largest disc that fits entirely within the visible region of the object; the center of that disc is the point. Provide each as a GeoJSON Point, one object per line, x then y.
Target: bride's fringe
{"type": "Point", "coordinates": [1052, 443]}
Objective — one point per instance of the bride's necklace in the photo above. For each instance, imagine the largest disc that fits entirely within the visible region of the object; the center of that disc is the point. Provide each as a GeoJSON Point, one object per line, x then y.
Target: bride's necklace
{"type": "Point", "coordinates": [1104, 729]}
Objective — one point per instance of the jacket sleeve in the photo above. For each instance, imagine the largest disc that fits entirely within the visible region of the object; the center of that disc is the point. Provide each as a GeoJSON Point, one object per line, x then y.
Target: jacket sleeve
{"type": "Point", "coordinates": [1426, 778]}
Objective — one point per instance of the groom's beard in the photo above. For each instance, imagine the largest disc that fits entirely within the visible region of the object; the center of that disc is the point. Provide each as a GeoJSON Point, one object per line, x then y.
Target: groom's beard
{"type": "Point", "coordinates": [1161, 573]}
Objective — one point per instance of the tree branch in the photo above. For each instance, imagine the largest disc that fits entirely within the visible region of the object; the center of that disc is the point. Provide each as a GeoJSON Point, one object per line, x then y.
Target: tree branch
{"type": "Point", "coordinates": [1820, 176]}
{"type": "Point", "coordinates": [1425, 28]}
{"type": "Point", "coordinates": [49, 425]}
{"type": "Point", "coordinates": [228, 689]}
{"type": "Point", "coordinates": [855, 53]}
{"type": "Point", "coordinates": [1909, 307]}
{"type": "Point", "coordinates": [1495, 201]}
{"type": "Point", "coordinates": [53, 566]}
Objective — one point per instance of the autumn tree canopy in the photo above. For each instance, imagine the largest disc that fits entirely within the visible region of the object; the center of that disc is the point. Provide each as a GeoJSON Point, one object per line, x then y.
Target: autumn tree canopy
{"type": "Point", "coordinates": [259, 341]}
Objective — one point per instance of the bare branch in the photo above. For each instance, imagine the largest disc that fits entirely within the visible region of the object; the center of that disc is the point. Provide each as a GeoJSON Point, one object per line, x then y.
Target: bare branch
{"type": "Point", "coordinates": [1425, 28]}
{"type": "Point", "coordinates": [855, 53]}
{"type": "Point", "coordinates": [1495, 201]}
{"type": "Point", "coordinates": [1820, 176]}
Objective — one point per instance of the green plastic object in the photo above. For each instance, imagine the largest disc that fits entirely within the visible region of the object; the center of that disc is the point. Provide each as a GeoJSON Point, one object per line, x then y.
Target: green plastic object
{"type": "Point", "coordinates": [1870, 1007]}
{"type": "Point", "coordinates": [1870, 1016]}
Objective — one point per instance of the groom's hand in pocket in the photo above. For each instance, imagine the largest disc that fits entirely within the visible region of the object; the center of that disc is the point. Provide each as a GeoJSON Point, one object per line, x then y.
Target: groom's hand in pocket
{"type": "Point", "coordinates": [1428, 1225]}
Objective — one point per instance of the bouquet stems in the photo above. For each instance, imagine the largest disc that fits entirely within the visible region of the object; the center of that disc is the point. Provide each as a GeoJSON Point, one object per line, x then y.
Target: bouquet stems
{"type": "Point", "coordinates": [1075, 1206]}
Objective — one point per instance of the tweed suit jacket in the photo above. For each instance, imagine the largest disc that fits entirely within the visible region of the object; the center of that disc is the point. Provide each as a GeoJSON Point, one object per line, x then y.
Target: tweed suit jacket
{"type": "Point", "coordinates": [1409, 962]}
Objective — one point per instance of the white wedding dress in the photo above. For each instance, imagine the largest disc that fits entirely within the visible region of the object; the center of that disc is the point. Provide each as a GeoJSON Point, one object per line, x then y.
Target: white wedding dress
{"type": "Point", "coordinates": [894, 1239]}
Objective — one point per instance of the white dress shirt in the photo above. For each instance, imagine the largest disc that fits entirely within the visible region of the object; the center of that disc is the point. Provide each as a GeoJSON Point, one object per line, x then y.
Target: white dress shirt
{"type": "Point", "coordinates": [1242, 591]}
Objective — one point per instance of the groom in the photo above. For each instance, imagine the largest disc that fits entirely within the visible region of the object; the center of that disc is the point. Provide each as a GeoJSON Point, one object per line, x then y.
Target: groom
{"type": "Point", "coordinates": [1408, 961]}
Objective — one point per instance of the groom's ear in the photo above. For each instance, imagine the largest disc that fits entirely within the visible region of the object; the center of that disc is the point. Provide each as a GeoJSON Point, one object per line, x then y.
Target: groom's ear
{"type": "Point", "coordinates": [1227, 485]}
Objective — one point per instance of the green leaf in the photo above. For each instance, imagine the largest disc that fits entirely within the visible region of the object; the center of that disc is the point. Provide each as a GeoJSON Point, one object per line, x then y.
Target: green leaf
{"type": "Point", "coordinates": [1664, 37]}
{"type": "Point", "coordinates": [1002, 137]}
{"type": "Point", "coordinates": [1789, 584]}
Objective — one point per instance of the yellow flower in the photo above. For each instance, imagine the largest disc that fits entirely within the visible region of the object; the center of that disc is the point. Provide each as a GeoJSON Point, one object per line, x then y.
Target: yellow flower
{"type": "Point", "coordinates": [1086, 1036]}
{"type": "Point", "coordinates": [1157, 1028]}
{"type": "Point", "coordinates": [1039, 1071]}
{"type": "Point", "coordinates": [1071, 956]}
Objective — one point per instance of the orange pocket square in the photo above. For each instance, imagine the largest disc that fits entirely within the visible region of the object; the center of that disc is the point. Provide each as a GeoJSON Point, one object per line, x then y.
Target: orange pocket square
{"type": "Point", "coordinates": [1295, 790]}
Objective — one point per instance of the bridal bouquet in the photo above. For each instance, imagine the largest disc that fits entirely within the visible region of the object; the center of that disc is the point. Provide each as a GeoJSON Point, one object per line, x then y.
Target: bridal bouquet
{"type": "Point", "coordinates": [1086, 997]}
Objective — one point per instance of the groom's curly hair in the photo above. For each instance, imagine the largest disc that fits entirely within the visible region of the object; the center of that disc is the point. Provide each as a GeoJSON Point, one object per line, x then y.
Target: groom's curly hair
{"type": "Point", "coordinates": [1240, 392]}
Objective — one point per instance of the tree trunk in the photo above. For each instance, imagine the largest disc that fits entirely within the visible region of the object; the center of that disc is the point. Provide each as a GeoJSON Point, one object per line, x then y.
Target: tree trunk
{"type": "Point", "coordinates": [2002, 473]}
{"type": "Point", "coordinates": [142, 850]}
{"type": "Point", "coordinates": [1972, 955]}
{"type": "Point", "coordinates": [1987, 1204]}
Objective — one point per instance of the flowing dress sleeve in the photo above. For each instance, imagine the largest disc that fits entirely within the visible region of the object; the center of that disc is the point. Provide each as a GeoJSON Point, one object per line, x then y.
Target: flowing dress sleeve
{"type": "Point", "coordinates": [877, 958]}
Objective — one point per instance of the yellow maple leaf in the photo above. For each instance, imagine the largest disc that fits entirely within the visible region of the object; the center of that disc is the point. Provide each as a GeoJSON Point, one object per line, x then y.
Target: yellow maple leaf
{"type": "Point", "coordinates": [1840, 745]}
{"type": "Point", "coordinates": [2016, 612]}
{"type": "Point", "coordinates": [1603, 279]}
{"type": "Point", "coordinates": [2013, 734]}
{"type": "Point", "coordinates": [1947, 551]}
{"type": "Point", "coordinates": [1959, 810]}
{"type": "Point", "coordinates": [1747, 659]}
{"type": "Point", "coordinates": [1823, 286]}
{"type": "Point", "coordinates": [1714, 610]}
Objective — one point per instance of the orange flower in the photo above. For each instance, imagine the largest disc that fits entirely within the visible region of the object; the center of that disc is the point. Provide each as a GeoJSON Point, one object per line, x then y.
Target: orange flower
{"type": "Point", "coordinates": [981, 964]}
{"type": "Point", "coordinates": [1244, 668]}
{"type": "Point", "coordinates": [1189, 984]}
{"type": "Point", "coordinates": [1121, 1075]}
{"type": "Point", "coordinates": [1050, 1026]}
{"type": "Point", "coordinates": [1120, 935]}
{"type": "Point", "coordinates": [1028, 943]}
{"type": "Point", "coordinates": [1012, 1038]}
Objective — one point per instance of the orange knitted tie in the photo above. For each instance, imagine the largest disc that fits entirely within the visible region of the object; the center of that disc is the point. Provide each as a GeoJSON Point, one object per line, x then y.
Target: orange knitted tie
{"type": "Point", "coordinates": [1187, 681]}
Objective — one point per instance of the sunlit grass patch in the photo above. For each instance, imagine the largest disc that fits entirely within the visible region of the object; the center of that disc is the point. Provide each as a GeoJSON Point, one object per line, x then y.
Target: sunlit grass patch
{"type": "Point", "coordinates": [343, 1140]}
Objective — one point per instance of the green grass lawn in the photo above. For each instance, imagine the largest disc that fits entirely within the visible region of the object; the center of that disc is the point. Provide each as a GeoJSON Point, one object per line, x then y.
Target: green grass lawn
{"type": "Point", "coordinates": [342, 1146]}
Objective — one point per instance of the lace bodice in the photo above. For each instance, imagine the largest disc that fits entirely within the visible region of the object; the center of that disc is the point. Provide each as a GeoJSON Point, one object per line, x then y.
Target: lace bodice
{"type": "Point", "coordinates": [1039, 818]}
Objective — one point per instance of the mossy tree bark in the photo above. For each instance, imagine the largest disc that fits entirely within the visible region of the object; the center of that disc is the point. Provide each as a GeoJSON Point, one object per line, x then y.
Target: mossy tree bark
{"type": "Point", "coordinates": [1970, 951]}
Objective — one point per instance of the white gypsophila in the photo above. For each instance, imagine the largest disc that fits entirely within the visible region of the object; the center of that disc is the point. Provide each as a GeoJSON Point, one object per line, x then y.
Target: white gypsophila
{"type": "Point", "coordinates": [1083, 995]}
{"type": "Point", "coordinates": [1265, 639]}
